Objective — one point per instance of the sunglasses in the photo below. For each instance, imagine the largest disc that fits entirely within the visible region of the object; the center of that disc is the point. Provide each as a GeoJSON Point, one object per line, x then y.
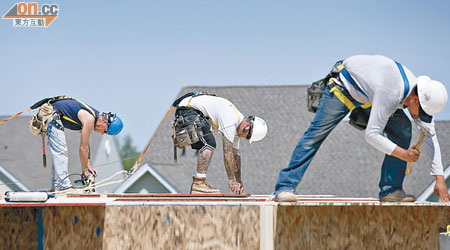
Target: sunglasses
{"type": "Point", "coordinates": [250, 129]}
{"type": "Point", "coordinates": [108, 117]}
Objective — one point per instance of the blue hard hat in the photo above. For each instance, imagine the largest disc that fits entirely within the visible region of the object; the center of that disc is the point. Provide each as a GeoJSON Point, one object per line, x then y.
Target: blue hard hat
{"type": "Point", "coordinates": [115, 124]}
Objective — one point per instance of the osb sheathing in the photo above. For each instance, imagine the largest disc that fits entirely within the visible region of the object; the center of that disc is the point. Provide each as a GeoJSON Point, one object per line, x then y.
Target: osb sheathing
{"type": "Point", "coordinates": [78, 227]}
{"type": "Point", "coordinates": [181, 227]}
{"type": "Point", "coordinates": [18, 227]}
{"type": "Point", "coordinates": [360, 227]}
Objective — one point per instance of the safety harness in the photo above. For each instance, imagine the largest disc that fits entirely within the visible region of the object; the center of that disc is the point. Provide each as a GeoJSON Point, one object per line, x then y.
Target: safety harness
{"type": "Point", "coordinates": [188, 124]}
{"type": "Point", "coordinates": [360, 113]}
{"type": "Point", "coordinates": [338, 93]}
{"type": "Point", "coordinates": [43, 120]}
{"type": "Point", "coordinates": [349, 104]}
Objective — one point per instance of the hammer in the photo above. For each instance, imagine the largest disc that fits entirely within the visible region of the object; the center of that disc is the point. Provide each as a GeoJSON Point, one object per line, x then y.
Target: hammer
{"type": "Point", "coordinates": [424, 134]}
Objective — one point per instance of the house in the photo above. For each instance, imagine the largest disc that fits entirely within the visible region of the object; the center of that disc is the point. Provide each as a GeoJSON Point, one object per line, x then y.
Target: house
{"type": "Point", "coordinates": [345, 165]}
{"type": "Point", "coordinates": [21, 166]}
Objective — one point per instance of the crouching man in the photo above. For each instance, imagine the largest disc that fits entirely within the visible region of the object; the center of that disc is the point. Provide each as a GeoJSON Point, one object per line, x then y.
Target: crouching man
{"type": "Point", "coordinates": [389, 87]}
{"type": "Point", "coordinates": [195, 116]}
{"type": "Point", "coordinates": [61, 112]}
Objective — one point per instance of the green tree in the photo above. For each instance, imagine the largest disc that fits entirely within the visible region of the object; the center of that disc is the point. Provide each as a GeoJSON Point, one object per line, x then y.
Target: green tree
{"type": "Point", "coordinates": [128, 152]}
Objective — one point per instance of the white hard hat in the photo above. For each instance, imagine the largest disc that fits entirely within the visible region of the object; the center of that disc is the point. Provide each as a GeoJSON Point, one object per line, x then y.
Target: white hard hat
{"type": "Point", "coordinates": [432, 95]}
{"type": "Point", "coordinates": [259, 129]}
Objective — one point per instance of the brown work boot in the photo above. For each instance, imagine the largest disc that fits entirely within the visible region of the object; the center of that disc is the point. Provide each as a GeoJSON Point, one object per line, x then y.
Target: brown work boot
{"type": "Point", "coordinates": [200, 186]}
{"type": "Point", "coordinates": [398, 196]}
{"type": "Point", "coordinates": [285, 196]}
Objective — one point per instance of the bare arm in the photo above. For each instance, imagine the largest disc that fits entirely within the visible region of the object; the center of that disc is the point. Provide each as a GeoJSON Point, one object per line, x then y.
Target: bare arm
{"type": "Point", "coordinates": [228, 158]}
{"type": "Point", "coordinates": [88, 125]}
{"type": "Point", "coordinates": [237, 164]}
{"type": "Point", "coordinates": [232, 161]}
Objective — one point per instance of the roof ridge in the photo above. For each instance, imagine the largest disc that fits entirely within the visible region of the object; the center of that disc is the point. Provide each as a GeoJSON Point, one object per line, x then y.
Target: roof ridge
{"type": "Point", "coordinates": [244, 86]}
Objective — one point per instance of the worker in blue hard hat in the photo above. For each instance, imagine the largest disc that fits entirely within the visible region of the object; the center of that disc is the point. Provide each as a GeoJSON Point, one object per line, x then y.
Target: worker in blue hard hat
{"type": "Point", "coordinates": [61, 113]}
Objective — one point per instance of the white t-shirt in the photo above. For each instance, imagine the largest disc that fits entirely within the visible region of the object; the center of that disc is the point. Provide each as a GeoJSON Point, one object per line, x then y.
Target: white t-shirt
{"type": "Point", "coordinates": [221, 111]}
{"type": "Point", "coordinates": [381, 80]}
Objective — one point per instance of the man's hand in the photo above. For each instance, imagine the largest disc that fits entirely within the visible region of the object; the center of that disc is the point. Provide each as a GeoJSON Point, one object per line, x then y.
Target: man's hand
{"type": "Point", "coordinates": [236, 186]}
{"type": "Point", "coordinates": [410, 155]}
{"type": "Point", "coordinates": [89, 169]}
{"type": "Point", "coordinates": [440, 189]}
{"type": "Point", "coordinates": [93, 171]}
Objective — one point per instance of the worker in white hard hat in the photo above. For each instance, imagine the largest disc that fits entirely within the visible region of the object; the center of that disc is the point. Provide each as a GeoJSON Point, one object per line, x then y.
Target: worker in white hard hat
{"type": "Point", "coordinates": [217, 114]}
{"type": "Point", "coordinates": [376, 89]}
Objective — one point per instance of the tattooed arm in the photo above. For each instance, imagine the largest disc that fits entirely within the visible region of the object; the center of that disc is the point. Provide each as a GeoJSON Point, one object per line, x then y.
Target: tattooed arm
{"type": "Point", "coordinates": [232, 162]}
{"type": "Point", "coordinates": [237, 164]}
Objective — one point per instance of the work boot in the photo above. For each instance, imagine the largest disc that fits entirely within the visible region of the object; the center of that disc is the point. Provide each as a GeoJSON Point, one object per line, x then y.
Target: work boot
{"type": "Point", "coordinates": [398, 196]}
{"type": "Point", "coordinates": [200, 186]}
{"type": "Point", "coordinates": [285, 196]}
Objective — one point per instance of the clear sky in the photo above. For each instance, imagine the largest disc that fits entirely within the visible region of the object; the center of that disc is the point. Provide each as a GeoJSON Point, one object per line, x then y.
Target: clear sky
{"type": "Point", "coordinates": [133, 57]}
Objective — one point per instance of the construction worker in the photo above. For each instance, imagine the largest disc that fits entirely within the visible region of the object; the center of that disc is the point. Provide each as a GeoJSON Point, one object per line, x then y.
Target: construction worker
{"type": "Point", "coordinates": [388, 87]}
{"type": "Point", "coordinates": [75, 115]}
{"type": "Point", "coordinates": [219, 114]}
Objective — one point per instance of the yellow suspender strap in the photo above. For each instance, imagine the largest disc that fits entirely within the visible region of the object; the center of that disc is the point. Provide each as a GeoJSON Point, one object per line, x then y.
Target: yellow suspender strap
{"type": "Point", "coordinates": [209, 119]}
{"type": "Point", "coordinates": [236, 111]}
{"type": "Point", "coordinates": [188, 104]}
{"type": "Point", "coordinates": [342, 98]}
{"type": "Point", "coordinates": [70, 120]}
{"type": "Point", "coordinates": [86, 106]}
{"type": "Point", "coordinates": [213, 123]}
{"type": "Point", "coordinates": [335, 90]}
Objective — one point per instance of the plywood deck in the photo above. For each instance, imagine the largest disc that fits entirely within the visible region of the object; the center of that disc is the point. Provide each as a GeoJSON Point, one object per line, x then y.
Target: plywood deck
{"type": "Point", "coordinates": [161, 221]}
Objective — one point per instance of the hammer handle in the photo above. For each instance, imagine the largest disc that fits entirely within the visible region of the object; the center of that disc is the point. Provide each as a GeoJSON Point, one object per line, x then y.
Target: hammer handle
{"type": "Point", "coordinates": [418, 145]}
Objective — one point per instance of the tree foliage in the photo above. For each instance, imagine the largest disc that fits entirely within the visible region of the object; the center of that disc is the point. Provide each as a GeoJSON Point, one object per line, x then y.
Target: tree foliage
{"type": "Point", "coordinates": [128, 152]}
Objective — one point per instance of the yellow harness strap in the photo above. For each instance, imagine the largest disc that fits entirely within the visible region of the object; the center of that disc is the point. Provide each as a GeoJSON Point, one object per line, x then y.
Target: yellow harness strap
{"type": "Point", "coordinates": [209, 119]}
{"type": "Point", "coordinates": [338, 93]}
{"type": "Point", "coordinates": [86, 106]}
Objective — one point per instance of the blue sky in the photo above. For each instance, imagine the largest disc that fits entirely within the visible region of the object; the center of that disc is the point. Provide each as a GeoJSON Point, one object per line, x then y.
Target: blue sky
{"type": "Point", "coordinates": [133, 57]}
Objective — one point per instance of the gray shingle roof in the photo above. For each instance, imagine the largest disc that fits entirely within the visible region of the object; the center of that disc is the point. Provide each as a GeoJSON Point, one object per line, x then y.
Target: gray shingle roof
{"type": "Point", "coordinates": [345, 165]}
{"type": "Point", "coordinates": [21, 153]}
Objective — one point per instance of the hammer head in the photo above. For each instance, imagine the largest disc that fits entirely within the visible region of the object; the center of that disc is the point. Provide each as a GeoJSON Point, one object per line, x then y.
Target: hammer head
{"type": "Point", "coordinates": [428, 128]}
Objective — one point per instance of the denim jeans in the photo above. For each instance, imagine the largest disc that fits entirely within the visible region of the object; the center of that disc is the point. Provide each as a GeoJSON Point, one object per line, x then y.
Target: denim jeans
{"type": "Point", "coordinates": [329, 113]}
{"type": "Point", "coordinates": [58, 147]}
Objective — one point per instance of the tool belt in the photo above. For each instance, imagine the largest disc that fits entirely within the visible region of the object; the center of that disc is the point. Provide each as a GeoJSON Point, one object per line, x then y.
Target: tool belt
{"type": "Point", "coordinates": [187, 126]}
{"type": "Point", "coordinates": [315, 92]}
{"type": "Point", "coordinates": [41, 119]}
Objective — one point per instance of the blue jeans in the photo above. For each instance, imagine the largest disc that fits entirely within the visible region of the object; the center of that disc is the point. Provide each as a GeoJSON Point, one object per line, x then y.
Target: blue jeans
{"type": "Point", "coordinates": [58, 146]}
{"type": "Point", "coordinates": [329, 113]}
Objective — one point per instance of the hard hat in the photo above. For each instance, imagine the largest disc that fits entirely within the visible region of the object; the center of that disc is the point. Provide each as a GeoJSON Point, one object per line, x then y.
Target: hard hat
{"type": "Point", "coordinates": [432, 95]}
{"type": "Point", "coordinates": [115, 124]}
{"type": "Point", "coordinates": [259, 129]}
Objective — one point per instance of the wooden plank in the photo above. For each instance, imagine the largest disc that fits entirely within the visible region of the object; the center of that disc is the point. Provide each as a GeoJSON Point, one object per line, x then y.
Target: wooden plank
{"type": "Point", "coordinates": [77, 227]}
{"type": "Point", "coordinates": [266, 220]}
{"type": "Point", "coordinates": [188, 200]}
{"type": "Point", "coordinates": [360, 227]}
{"type": "Point", "coordinates": [181, 227]}
{"type": "Point", "coordinates": [19, 228]}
